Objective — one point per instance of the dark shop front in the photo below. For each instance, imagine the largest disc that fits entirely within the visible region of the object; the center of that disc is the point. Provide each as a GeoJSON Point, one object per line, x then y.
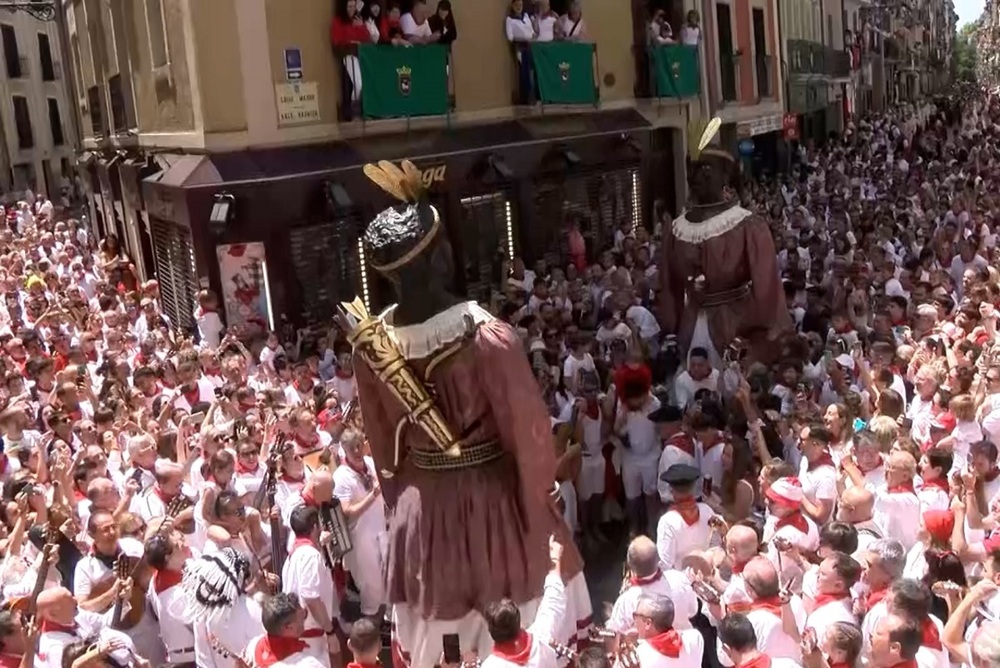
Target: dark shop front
{"type": "Point", "coordinates": [505, 189]}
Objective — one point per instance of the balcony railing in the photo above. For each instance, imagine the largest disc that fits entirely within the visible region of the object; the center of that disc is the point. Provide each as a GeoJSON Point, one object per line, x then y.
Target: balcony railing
{"type": "Point", "coordinates": [805, 57]}
{"type": "Point", "coordinates": [674, 71]}
{"type": "Point", "coordinates": [838, 63]}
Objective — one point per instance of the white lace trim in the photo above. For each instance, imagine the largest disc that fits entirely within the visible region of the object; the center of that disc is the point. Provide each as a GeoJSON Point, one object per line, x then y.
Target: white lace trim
{"type": "Point", "coordinates": [420, 340]}
{"type": "Point", "coordinates": [695, 233]}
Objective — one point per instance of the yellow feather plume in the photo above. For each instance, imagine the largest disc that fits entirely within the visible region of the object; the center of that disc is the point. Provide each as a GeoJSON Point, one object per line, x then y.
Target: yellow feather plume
{"type": "Point", "coordinates": [385, 181]}
{"type": "Point", "coordinates": [701, 134]}
{"type": "Point", "coordinates": [413, 176]}
{"type": "Point", "coordinates": [397, 175]}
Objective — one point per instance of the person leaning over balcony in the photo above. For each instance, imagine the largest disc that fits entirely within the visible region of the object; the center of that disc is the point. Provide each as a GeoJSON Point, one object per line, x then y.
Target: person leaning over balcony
{"type": "Point", "coordinates": [544, 22]}
{"type": "Point", "coordinates": [443, 22]}
{"type": "Point", "coordinates": [520, 33]}
{"type": "Point", "coordinates": [347, 31]}
{"type": "Point", "coordinates": [416, 27]}
{"type": "Point", "coordinates": [691, 32]}
{"type": "Point", "coordinates": [389, 28]}
{"type": "Point", "coordinates": [571, 27]}
{"type": "Point", "coordinates": [371, 14]}
{"type": "Point", "coordinates": [659, 31]}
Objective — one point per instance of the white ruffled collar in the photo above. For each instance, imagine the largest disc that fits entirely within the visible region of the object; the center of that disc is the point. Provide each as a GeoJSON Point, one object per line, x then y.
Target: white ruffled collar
{"type": "Point", "coordinates": [422, 339]}
{"type": "Point", "coordinates": [717, 225]}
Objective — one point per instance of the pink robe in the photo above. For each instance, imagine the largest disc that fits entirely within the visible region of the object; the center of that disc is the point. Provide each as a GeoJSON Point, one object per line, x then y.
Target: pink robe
{"type": "Point", "coordinates": [459, 540]}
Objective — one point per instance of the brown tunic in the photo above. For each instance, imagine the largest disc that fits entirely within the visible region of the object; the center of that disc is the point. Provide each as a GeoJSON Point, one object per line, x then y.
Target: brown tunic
{"type": "Point", "coordinates": [728, 261]}
{"type": "Point", "coordinates": [459, 540]}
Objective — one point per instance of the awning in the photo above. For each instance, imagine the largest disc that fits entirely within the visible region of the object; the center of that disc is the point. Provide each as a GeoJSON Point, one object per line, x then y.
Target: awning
{"type": "Point", "coordinates": [185, 171]}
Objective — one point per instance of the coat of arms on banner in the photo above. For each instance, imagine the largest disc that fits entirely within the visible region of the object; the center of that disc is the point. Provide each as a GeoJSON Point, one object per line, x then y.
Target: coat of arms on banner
{"type": "Point", "coordinates": [564, 72]}
{"type": "Point", "coordinates": [403, 78]}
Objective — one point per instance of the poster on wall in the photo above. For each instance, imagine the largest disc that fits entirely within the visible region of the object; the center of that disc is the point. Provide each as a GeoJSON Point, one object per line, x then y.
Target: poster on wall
{"type": "Point", "coordinates": [245, 291]}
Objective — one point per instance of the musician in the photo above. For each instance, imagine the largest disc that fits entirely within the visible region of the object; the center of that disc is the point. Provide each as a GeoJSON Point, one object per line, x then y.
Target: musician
{"type": "Point", "coordinates": [142, 459]}
{"type": "Point", "coordinates": [95, 570]}
{"type": "Point", "coordinates": [741, 547]}
{"type": "Point", "coordinates": [282, 645]}
{"type": "Point", "coordinates": [833, 602]}
{"type": "Point", "coordinates": [317, 490]}
{"type": "Point", "coordinates": [678, 446]}
{"type": "Point", "coordinates": [646, 579]}
{"type": "Point", "coordinates": [684, 528]}
{"type": "Point", "coordinates": [528, 648]}
{"type": "Point", "coordinates": [167, 553]}
{"type": "Point", "coordinates": [660, 645]}
{"type": "Point", "coordinates": [306, 435]}
{"type": "Point", "coordinates": [590, 426]}
{"type": "Point", "coordinates": [153, 501]}
{"type": "Point", "coordinates": [235, 526]}
{"type": "Point", "coordinates": [306, 574]}
{"type": "Point", "coordinates": [292, 480]}
{"type": "Point", "coordinates": [356, 485]}
{"type": "Point", "coordinates": [250, 470]}
{"type": "Point", "coordinates": [62, 623]}
{"type": "Point", "coordinates": [741, 646]}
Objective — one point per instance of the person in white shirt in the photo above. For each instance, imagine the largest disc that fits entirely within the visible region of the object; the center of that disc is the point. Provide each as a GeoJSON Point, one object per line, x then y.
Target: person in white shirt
{"type": "Point", "coordinates": [678, 446]}
{"type": "Point", "coordinates": [282, 645]}
{"type": "Point", "coordinates": [786, 524]}
{"type": "Point", "coordinates": [528, 648]}
{"type": "Point", "coordinates": [415, 27]}
{"type": "Point", "coordinates": [833, 603]}
{"type": "Point", "coordinates": [935, 467]}
{"type": "Point", "coordinates": [912, 600]}
{"type": "Point", "coordinates": [210, 326]}
{"type": "Point", "coordinates": [883, 561]}
{"type": "Point", "coordinates": [306, 574]}
{"type": "Point", "coordinates": [741, 644]}
{"type": "Point", "coordinates": [897, 507]}
{"type": "Point", "coordinates": [64, 623]}
{"type": "Point", "coordinates": [660, 644]}
{"type": "Point", "coordinates": [817, 473]}
{"type": "Point", "coordinates": [647, 579]}
{"type": "Point", "coordinates": [640, 447]}
{"type": "Point", "coordinates": [545, 24]}
{"type": "Point", "coordinates": [166, 553]}
{"type": "Point", "coordinates": [686, 526]}
{"type": "Point", "coordinates": [571, 26]}
{"type": "Point", "coordinates": [699, 375]}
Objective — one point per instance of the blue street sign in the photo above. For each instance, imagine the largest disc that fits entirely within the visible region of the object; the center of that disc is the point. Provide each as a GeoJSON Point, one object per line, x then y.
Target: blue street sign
{"type": "Point", "coordinates": [746, 147]}
{"type": "Point", "coordinates": [293, 64]}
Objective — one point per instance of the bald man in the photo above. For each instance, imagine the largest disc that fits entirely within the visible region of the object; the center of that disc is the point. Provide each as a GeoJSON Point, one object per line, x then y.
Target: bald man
{"type": "Point", "coordinates": [761, 581]}
{"type": "Point", "coordinates": [741, 546]}
{"type": "Point", "coordinates": [646, 579]}
{"type": "Point", "coordinates": [897, 508]}
{"type": "Point", "coordinates": [356, 486]}
{"type": "Point", "coordinates": [317, 491]}
{"type": "Point", "coordinates": [63, 623]}
{"type": "Point", "coordinates": [857, 507]}
{"type": "Point", "coordinates": [153, 502]}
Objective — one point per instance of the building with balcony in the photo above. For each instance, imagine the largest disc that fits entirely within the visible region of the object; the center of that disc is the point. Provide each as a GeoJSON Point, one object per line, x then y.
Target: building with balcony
{"type": "Point", "coordinates": [819, 65]}
{"type": "Point", "coordinates": [219, 131]}
{"type": "Point", "coordinates": [37, 147]}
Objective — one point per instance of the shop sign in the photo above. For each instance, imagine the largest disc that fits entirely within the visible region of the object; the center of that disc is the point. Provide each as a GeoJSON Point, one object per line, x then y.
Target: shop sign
{"type": "Point", "coordinates": [790, 125]}
{"type": "Point", "coordinates": [298, 103]}
{"type": "Point", "coordinates": [432, 175]}
{"type": "Point", "coordinates": [759, 126]}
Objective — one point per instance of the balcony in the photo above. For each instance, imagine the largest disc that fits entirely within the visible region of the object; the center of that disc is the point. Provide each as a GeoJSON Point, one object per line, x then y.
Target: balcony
{"type": "Point", "coordinates": [806, 58]}
{"type": "Point", "coordinates": [838, 64]}
{"type": "Point", "coordinates": [563, 73]}
{"type": "Point", "coordinates": [674, 71]}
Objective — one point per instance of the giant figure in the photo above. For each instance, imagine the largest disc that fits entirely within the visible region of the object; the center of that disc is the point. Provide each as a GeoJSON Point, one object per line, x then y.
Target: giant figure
{"type": "Point", "coordinates": [720, 277]}
{"type": "Point", "coordinates": [461, 439]}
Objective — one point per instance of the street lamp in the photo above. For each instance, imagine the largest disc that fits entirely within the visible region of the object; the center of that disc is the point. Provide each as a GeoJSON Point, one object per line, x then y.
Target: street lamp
{"type": "Point", "coordinates": [43, 10]}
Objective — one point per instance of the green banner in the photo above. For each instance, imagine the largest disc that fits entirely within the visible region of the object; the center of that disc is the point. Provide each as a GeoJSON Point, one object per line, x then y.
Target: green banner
{"type": "Point", "coordinates": [565, 72]}
{"type": "Point", "coordinates": [403, 81]}
{"type": "Point", "coordinates": [676, 72]}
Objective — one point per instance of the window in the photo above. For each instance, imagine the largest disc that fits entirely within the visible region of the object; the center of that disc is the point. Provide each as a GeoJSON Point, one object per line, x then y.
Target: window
{"type": "Point", "coordinates": [45, 56]}
{"type": "Point", "coordinates": [10, 54]}
{"type": "Point", "coordinates": [94, 104]}
{"type": "Point", "coordinates": [118, 119]}
{"type": "Point", "coordinates": [22, 119]}
{"type": "Point", "coordinates": [55, 122]}
{"type": "Point", "coordinates": [157, 33]}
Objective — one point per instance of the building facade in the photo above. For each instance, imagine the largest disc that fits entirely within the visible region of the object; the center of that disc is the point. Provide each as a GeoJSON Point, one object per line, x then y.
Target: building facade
{"type": "Point", "coordinates": [219, 131]}
{"type": "Point", "coordinates": [38, 141]}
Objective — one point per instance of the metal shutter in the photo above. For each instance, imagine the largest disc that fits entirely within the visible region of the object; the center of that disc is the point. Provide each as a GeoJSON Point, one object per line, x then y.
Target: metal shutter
{"type": "Point", "coordinates": [488, 224]}
{"type": "Point", "coordinates": [598, 198]}
{"type": "Point", "coordinates": [175, 270]}
{"type": "Point", "coordinates": [326, 258]}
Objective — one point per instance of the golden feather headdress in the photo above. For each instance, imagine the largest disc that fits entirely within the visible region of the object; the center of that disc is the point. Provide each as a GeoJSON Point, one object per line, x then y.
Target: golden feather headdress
{"type": "Point", "coordinates": [403, 182]}
{"type": "Point", "coordinates": [700, 135]}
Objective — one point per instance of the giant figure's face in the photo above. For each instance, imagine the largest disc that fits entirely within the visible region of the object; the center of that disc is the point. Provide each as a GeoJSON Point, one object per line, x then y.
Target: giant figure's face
{"type": "Point", "coordinates": [707, 178]}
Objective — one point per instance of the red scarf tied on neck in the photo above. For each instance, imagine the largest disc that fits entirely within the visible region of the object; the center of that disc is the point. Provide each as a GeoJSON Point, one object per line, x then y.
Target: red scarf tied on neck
{"type": "Point", "coordinates": [517, 651]}
{"type": "Point", "coordinates": [875, 597]}
{"type": "Point", "coordinates": [688, 510]}
{"type": "Point", "coordinates": [245, 469]}
{"type": "Point", "coordinates": [192, 396]}
{"type": "Point", "coordinates": [938, 483]}
{"type": "Point", "coordinates": [166, 578]}
{"type": "Point", "coordinates": [49, 626]}
{"type": "Point", "coordinates": [668, 643]}
{"type": "Point", "coordinates": [770, 604]}
{"type": "Point", "coordinates": [272, 649]}
{"type": "Point", "coordinates": [636, 581]}
{"type": "Point", "coordinates": [796, 520]}
{"type": "Point", "coordinates": [931, 638]}
{"type": "Point", "coordinates": [823, 599]}
{"type": "Point", "coordinates": [593, 410]}
{"type": "Point", "coordinates": [761, 661]}
{"type": "Point", "coordinates": [903, 488]}
{"type": "Point", "coordinates": [826, 459]}
{"type": "Point", "coordinates": [682, 442]}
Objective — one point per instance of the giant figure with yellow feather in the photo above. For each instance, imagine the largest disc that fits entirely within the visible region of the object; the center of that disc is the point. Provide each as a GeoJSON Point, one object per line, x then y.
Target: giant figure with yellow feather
{"type": "Point", "coordinates": [721, 278]}
{"type": "Point", "coordinates": [461, 439]}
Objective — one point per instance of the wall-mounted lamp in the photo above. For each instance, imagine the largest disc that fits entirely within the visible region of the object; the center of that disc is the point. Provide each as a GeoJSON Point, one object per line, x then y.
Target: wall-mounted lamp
{"type": "Point", "coordinates": [223, 211]}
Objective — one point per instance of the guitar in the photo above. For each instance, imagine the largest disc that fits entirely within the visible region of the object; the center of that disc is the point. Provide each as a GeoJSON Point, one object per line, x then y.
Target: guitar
{"type": "Point", "coordinates": [135, 569]}
{"type": "Point", "coordinates": [277, 535]}
{"type": "Point", "coordinates": [219, 648]}
{"type": "Point", "coordinates": [624, 654]}
{"type": "Point", "coordinates": [51, 543]}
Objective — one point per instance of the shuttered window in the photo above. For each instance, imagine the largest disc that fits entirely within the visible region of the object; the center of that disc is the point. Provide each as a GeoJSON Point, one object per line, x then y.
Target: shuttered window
{"type": "Point", "coordinates": [597, 199]}
{"type": "Point", "coordinates": [486, 229]}
{"type": "Point", "coordinates": [175, 271]}
{"type": "Point", "coordinates": [327, 265]}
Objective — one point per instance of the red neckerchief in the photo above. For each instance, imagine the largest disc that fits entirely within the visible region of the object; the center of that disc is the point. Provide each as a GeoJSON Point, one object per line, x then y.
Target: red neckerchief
{"type": "Point", "coordinates": [667, 643]}
{"type": "Point", "coordinates": [298, 387]}
{"type": "Point", "coordinates": [344, 375]}
{"type": "Point", "coordinates": [355, 664]}
{"type": "Point", "coordinates": [906, 664]}
{"type": "Point", "coordinates": [770, 604]}
{"type": "Point", "coordinates": [840, 664]}
{"type": "Point", "coordinates": [166, 384]}
{"type": "Point", "coordinates": [762, 661]}
{"type": "Point", "coordinates": [688, 510]}
{"type": "Point", "coordinates": [825, 460]}
{"type": "Point", "coordinates": [705, 447]}
{"type": "Point", "coordinates": [166, 578]}
{"type": "Point", "coordinates": [823, 599]}
{"type": "Point", "coordinates": [899, 323]}
{"type": "Point", "coordinates": [638, 582]}
{"type": "Point", "coordinates": [308, 499]}
{"type": "Point", "coordinates": [78, 495]}
{"type": "Point", "coordinates": [845, 329]}
{"type": "Point", "coordinates": [161, 494]}
{"type": "Point", "coordinates": [304, 444]}
{"type": "Point", "coordinates": [272, 649]}
{"type": "Point", "coordinates": [48, 626]}
{"type": "Point", "coordinates": [931, 636]}
{"type": "Point", "coordinates": [516, 651]}
{"type": "Point", "coordinates": [244, 468]}
{"type": "Point", "coordinates": [192, 396]}
{"type": "Point", "coordinates": [903, 488]}
{"type": "Point", "coordinates": [875, 597]}
{"type": "Point", "coordinates": [302, 542]}
{"type": "Point", "coordinates": [593, 410]}
{"type": "Point", "coordinates": [91, 356]}
{"type": "Point", "coordinates": [363, 473]}
{"type": "Point", "coordinates": [939, 483]}
{"type": "Point", "coordinates": [10, 660]}
{"type": "Point", "coordinates": [796, 519]}
{"type": "Point", "coordinates": [293, 481]}
{"type": "Point", "coordinates": [738, 567]}
{"type": "Point", "coordinates": [993, 474]}
{"type": "Point", "coordinates": [682, 442]}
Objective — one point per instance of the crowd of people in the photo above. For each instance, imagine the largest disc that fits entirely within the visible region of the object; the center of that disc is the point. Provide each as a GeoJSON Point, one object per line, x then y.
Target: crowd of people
{"type": "Point", "coordinates": [828, 501]}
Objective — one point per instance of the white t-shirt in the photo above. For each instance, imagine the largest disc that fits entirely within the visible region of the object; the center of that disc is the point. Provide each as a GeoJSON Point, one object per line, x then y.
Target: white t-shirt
{"type": "Point", "coordinates": [410, 28]}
